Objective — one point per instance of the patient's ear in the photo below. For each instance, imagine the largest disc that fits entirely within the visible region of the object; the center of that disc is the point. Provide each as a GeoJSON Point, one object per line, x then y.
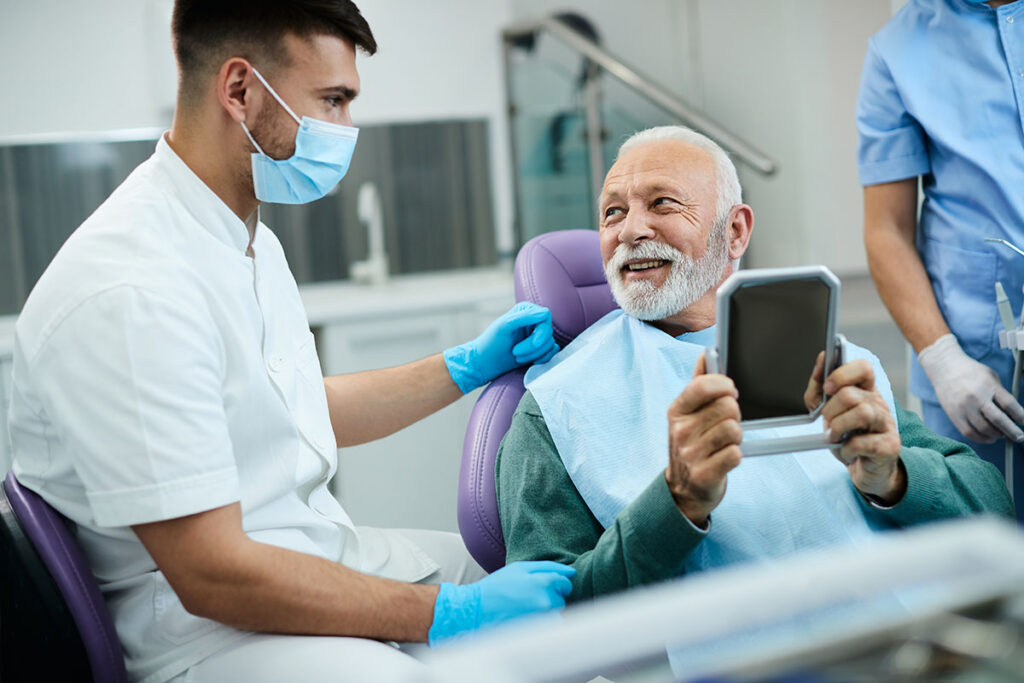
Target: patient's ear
{"type": "Point", "coordinates": [740, 225]}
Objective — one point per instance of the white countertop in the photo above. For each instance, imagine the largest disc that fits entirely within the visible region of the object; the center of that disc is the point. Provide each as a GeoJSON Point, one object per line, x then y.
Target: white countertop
{"type": "Point", "coordinates": [330, 302]}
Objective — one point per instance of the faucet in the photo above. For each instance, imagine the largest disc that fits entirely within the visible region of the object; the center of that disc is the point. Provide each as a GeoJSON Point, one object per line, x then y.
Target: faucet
{"type": "Point", "coordinates": [374, 269]}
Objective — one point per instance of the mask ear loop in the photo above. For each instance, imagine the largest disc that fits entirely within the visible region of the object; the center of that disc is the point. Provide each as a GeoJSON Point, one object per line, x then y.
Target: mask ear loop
{"type": "Point", "coordinates": [277, 97]}
{"type": "Point", "coordinates": [251, 139]}
{"type": "Point", "coordinates": [279, 101]}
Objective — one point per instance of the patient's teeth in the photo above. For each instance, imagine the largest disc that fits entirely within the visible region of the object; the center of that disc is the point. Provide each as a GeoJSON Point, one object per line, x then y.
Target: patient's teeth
{"type": "Point", "coordinates": [645, 265]}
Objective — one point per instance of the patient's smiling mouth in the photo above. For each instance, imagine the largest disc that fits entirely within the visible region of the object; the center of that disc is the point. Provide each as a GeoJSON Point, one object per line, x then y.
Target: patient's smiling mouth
{"type": "Point", "coordinates": [645, 265]}
{"type": "Point", "coordinates": [645, 269]}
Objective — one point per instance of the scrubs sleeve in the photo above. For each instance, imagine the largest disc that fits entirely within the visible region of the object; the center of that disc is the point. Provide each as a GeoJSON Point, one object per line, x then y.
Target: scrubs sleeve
{"type": "Point", "coordinates": [543, 517]}
{"type": "Point", "coordinates": [891, 143]}
{"type": "Point", "coordinates": [132, 379]}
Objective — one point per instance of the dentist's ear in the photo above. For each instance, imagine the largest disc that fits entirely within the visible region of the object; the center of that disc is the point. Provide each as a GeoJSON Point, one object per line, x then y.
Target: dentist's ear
{"type": "Point", "coordinates": [740, 224]}
{"type": "Point", "coordinates": [235, 91]}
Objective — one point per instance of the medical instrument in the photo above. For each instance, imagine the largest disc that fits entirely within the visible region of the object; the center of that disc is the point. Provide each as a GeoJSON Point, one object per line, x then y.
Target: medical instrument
{"type": "Point", "coordinates": [1010, 338]}
{"type": "Point", "coordinates": [1006, 313]}
{"type": "Point", "coordinates": [1011, 245]}
{"type": "Point", "coordinates": [772, 325]}
{"type": "Point", "coordinates": [515, 590]}
{"type": "Point", "coordinates": [521, 336]}
{"type": "Point", "coordinates": [1003, 304]}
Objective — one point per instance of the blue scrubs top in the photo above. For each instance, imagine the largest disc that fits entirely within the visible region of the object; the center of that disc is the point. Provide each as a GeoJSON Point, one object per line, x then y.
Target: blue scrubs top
{"type": "Point", "coordinates": [942, 96]}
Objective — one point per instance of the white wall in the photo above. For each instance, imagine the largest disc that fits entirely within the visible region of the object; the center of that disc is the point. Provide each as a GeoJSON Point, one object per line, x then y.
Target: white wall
{"type": "Point", "coordinates": [784, 76]}
{"type": "Point", "coordinates": [67, 65]}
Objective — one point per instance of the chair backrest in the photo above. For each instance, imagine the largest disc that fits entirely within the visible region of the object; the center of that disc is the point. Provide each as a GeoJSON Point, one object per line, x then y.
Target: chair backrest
{"type": "Point", "coordinates": [54, 618]}
{"type": "Point", "coordinates": [560, 270]}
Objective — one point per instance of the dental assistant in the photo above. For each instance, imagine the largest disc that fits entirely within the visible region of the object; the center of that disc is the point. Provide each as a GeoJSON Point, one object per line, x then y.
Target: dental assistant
{"type": "Point", "coordinates": [168, 398]}
{"type": "Point", "coordinates": [942, 98]}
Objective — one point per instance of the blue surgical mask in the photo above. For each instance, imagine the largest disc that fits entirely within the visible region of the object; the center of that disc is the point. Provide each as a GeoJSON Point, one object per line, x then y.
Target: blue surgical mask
{"type": "Point", "coordinates": [322, 155]}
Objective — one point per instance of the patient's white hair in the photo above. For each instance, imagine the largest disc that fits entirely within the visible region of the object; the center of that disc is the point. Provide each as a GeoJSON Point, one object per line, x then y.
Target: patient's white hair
{"type": "Point", "coordinates": [727, 183]}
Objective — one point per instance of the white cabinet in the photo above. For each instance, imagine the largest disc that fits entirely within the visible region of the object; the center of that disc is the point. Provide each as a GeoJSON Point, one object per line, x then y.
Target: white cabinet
{"type": "Point", "coordinates": [409, 479]}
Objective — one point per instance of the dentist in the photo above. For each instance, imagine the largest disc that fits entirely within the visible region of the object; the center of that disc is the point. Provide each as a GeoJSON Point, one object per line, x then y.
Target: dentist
{"type": "Point", "coordinates": [168, 398]}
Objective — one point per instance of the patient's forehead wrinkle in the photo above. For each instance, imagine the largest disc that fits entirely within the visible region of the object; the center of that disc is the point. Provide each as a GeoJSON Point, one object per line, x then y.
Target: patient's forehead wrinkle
{"type": "Point", "coordinates": [669, 166]}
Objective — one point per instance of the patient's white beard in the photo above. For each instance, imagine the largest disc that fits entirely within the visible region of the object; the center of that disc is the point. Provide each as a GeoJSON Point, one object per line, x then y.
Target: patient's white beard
{"type": "Point", "coordinates": [687, 281]}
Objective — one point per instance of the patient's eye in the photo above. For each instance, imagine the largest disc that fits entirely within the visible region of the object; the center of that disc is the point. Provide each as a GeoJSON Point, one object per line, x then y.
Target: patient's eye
{"type": "Point", "coordinates": [663, 201]}
{"type": "Point", "coordinates": [612, 212]}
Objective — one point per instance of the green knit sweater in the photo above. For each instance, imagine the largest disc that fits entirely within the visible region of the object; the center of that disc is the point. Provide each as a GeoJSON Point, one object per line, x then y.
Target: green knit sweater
{"type": "Point", "coordinates": [543, 516]}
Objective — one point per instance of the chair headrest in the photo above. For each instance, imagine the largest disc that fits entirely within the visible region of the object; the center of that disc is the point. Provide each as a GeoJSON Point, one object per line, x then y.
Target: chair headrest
{"type": "Point", "coordinates": [562, 271]}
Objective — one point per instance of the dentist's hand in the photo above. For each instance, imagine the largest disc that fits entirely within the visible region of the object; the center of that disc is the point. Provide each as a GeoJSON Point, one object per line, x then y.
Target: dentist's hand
{"type": "Point", "coordinates": [513, 591]}
{"type": "Point", "coordinates": [521, 336]}
{"type": "Point", "coordinates": [704, 438]}
{"type": "Point", "coordinates": [971, 393]}
{"type": "Point", "coordinates": [857, 411]}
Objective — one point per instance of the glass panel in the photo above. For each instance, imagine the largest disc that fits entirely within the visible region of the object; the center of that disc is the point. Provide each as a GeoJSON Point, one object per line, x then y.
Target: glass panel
{"type": "Point", "coordinates": [549, 142]}
{"type": "Point", "coordinates": [549, 134]}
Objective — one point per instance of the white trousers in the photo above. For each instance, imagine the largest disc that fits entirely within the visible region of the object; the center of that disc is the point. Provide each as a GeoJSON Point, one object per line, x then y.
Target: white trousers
{"type": "Point", "coordinates": [272, 658]}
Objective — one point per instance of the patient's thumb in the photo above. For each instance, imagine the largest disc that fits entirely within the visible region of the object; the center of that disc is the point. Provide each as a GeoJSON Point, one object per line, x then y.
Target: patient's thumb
{"type": "Point", "coordinates": [701, 367]}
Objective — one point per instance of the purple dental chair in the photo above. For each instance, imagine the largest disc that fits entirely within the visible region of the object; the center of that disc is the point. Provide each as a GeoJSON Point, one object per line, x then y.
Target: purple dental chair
{"type": "Point", "coordinates": [54, 624]}
{"type": "Point", "coordinates": [560, 270]}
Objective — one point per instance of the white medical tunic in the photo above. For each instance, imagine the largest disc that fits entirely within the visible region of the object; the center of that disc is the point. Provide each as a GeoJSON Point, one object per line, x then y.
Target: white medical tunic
{"type": "Point", "coordinates": [159, 371]}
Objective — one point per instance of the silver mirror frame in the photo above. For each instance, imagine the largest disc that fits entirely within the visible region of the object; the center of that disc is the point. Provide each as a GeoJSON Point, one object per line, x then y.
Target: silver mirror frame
{"type": "Point", "coordinates": [758, 276]}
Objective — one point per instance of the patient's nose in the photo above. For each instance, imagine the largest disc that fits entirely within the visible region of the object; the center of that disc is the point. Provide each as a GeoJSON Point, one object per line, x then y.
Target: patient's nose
{"type": "Point", "coordinates": [635, 228]}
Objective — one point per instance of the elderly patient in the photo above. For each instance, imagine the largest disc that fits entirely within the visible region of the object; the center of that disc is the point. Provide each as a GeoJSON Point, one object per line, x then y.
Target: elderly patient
{"type": "Point", "coordinates": [609, 468]}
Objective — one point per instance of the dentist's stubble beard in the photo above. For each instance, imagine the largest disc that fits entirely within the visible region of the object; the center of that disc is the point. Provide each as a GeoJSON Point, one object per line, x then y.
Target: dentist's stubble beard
{"type": "Point", "coordinates": [687, 281]}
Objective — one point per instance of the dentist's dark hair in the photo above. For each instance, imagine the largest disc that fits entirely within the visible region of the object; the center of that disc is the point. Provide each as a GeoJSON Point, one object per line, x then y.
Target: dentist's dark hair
{"type": "Point", "coordinates": [206, 33]}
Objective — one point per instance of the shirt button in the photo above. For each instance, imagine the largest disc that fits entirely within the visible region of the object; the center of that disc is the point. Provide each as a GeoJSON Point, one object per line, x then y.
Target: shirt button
{"type": "Point", "coordinates": [276, 363]}
{"type": "Point", "coordinates": [1009, 20]}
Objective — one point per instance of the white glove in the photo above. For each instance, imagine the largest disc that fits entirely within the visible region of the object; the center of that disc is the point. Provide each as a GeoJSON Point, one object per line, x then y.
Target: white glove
{"type": "Point", "coordinates": [971, 393]}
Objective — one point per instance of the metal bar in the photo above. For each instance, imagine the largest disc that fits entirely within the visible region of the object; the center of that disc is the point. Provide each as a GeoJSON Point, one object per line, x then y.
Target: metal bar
{"type": "Point", "coordinates": [648, 88]}
{"type": "Point", "coordinates": [595, 138]}
{"type": "Point", "coordinates": [510, 108]}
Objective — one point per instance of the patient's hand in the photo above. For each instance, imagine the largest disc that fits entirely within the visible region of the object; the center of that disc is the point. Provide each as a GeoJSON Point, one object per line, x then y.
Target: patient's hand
{"type": "Point", "coordinates": [704, 438]}
{"type": "Point", "coordinates": [855, 408]}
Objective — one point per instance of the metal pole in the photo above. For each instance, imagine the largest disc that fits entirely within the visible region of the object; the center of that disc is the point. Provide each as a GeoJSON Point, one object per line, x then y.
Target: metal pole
{"type": "Point", "coordinates": [649, 88]}
{"type": "Point", "coordinates": [595, 136]}
{"type": "Point", "coordinates": [510, 110]}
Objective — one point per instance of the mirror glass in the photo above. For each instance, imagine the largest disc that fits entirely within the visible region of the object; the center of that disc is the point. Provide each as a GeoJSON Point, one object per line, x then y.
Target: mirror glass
{"type": "Point", "coordinates": [776, 331]}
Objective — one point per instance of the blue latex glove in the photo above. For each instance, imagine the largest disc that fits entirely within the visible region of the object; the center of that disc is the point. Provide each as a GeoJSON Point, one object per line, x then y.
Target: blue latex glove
{"type": "Point", "coordinates": [516, 590]}
{"type": "Point", "coordinates": [521, 336]}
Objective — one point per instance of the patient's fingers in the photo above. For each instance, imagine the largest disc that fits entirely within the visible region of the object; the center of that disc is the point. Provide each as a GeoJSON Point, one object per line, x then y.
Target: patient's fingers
{"type": "Point", "coordinates": [813, 394]}
{"type": "Point", "coordinates": [721, 434]}
{"type": "Point", "coordinates": [858, 373]}
{"type": "Point", "coordinates": [701, 366]}
{"type": "Point", "coordinates": [871, 448]}
{"type": "Point", "coordinates": [708, 476]}
{"type": "Point", "coordinates": [702, 390]}
{"type": "Point", "coordinates": [853, 408]}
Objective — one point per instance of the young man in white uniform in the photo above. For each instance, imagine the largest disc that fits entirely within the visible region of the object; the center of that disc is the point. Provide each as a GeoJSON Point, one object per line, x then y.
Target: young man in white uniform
{"type": "Point", "coordinates": [168, 398]}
